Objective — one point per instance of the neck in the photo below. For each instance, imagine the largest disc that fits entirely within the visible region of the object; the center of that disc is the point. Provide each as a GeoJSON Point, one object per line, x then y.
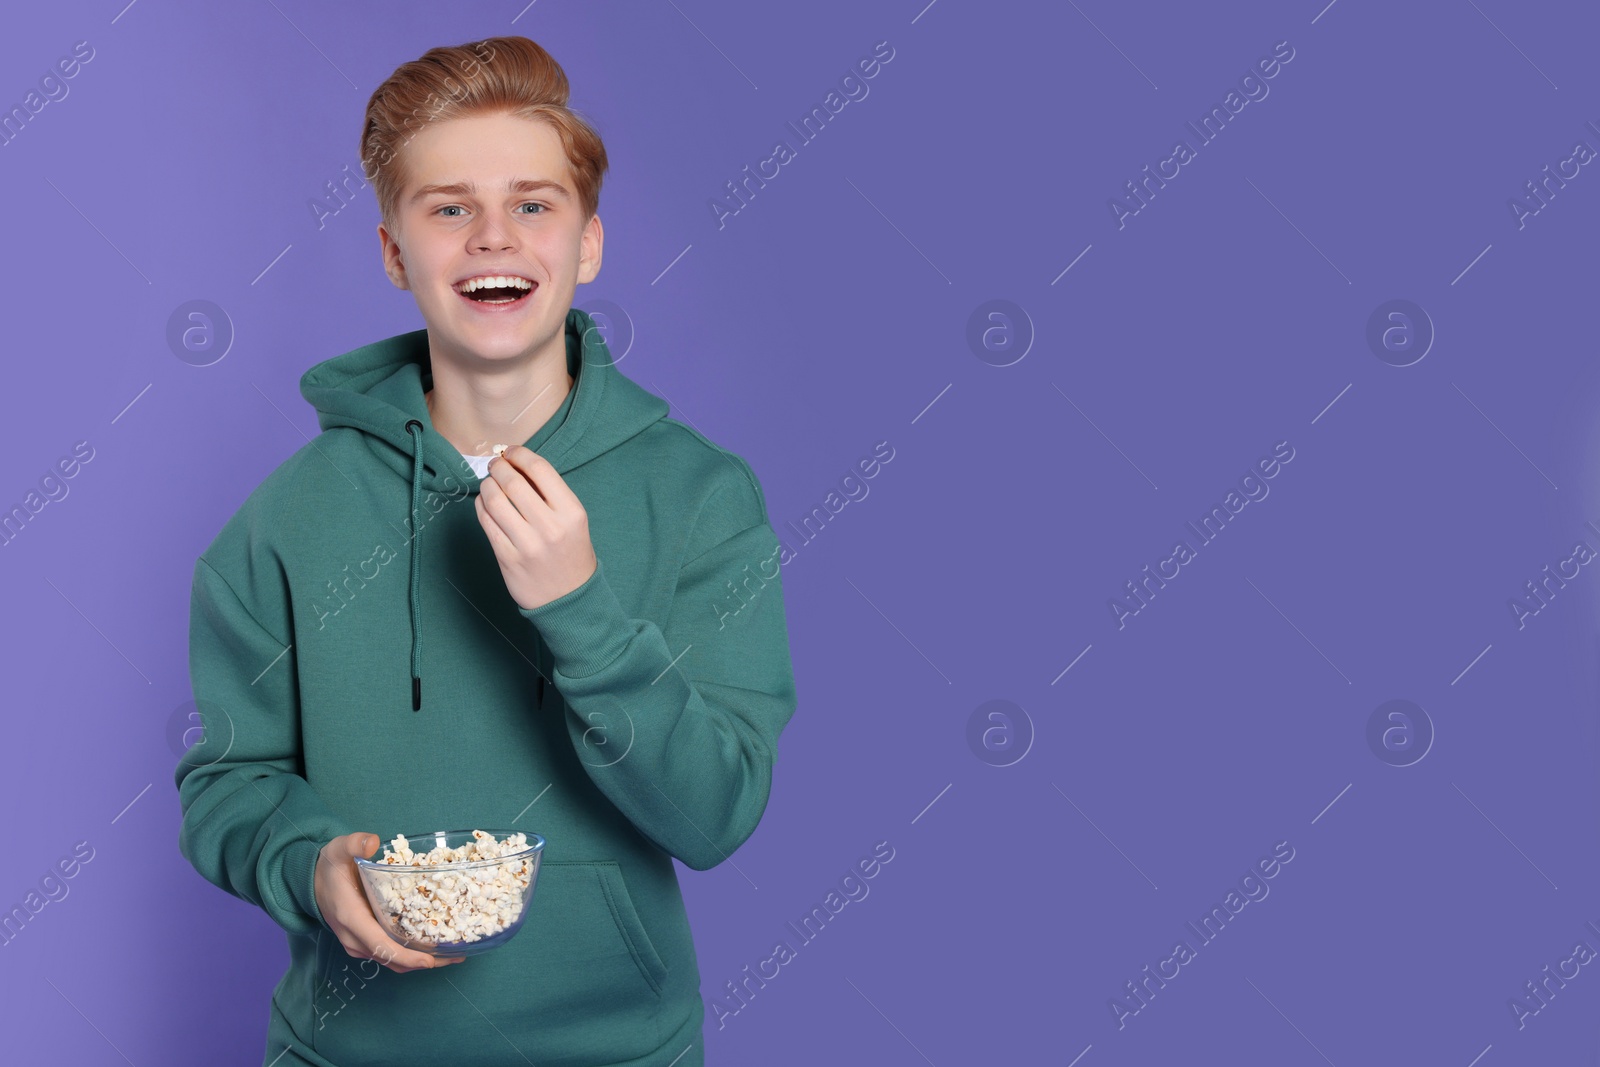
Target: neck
{"type": "Point", "coordinates": [476, 407]}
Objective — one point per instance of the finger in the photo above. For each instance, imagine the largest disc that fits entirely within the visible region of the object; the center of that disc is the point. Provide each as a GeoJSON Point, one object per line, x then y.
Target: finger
{"type": "Point", "coordinates": [533, 506]}
{"type": "Point", "coordinates": [374, 944]}
{"type": "Point", "coordinates": [524, 538]}
{"type": "Point", "coordinates": [397, 959]}
{"type": "Point", "coordinates": [400, 961]}
{"type": "Point", "coordinates": [517, 458]}
{"type": "Point", "coordinates": [497, 537]}
{"type": "Point", "coordinates": [357, 844]}
{"type": "Point", "coordinates": [354, 845]}
{"type": "Point", "coordinates": [542, 475]}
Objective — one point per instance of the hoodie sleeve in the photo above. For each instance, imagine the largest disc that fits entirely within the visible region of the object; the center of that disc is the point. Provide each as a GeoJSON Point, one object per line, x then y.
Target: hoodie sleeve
{"type": "Point", "coordinates": [252, 825]}
{"type": "Point", "coordinates": [678, 723]}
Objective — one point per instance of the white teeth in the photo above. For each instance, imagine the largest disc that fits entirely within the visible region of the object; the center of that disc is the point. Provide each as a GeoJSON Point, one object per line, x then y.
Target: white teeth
{"type": "Point", "coordinates": [493, 281]}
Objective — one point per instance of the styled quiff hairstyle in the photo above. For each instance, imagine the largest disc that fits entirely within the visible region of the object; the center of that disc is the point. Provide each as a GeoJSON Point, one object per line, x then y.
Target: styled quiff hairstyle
{"type": "Point", "coordinates": [496, 75]}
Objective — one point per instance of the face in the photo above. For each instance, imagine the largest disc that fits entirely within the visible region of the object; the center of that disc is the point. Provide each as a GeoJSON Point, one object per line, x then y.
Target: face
{"type": "Point", "coordinates": [490, 195]}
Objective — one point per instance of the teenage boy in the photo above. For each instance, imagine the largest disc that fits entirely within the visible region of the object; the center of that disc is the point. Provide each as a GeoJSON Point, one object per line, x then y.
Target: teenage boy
{"type": "Point", "coordinates": [599, 621]}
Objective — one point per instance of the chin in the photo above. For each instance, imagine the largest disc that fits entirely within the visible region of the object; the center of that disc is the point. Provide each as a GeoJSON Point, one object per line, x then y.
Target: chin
{"type": "Point", "coordinates": [498, 343]}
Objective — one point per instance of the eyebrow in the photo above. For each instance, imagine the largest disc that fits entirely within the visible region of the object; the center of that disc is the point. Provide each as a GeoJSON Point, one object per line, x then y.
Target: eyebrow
{"type": "Point", "coordinates": [519, 185]}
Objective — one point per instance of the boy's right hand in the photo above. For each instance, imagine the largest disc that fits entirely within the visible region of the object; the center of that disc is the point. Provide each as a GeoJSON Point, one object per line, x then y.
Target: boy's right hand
{"type": "Point", "coordinates": [348, 914]}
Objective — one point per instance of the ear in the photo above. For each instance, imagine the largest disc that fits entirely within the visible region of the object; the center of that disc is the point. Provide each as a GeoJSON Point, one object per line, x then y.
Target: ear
{"type": "Point", "coordinates": [590, 246]}
{"type": "Point", "coordinates": [393, 262]}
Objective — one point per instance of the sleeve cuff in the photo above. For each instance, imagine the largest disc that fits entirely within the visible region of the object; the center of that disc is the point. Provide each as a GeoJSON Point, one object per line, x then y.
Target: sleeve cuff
{"type": "Point", "coordinates": [300, 874]}
{"type": "Point", "coordinates": [585, 629]}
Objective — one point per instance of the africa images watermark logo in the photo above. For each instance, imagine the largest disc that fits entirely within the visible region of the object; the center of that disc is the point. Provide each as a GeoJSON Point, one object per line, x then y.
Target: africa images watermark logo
{"type": "Point", "coordinates": [604, 740]}
{"type": "Point", "coordinates": [199, 735]}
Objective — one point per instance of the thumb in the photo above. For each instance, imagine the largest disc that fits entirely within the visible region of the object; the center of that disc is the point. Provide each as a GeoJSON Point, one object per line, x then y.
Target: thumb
{"type": "Point", "coordinates": [365, 844]}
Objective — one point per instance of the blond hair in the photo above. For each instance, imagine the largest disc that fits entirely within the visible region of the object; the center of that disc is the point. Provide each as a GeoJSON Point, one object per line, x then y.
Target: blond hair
{"type": "Point", "coordinates": [495, 75]}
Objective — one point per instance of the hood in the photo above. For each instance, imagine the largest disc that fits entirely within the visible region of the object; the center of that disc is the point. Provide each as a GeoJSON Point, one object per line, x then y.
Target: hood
{"type": "Point", "coordinates": [378, 389]}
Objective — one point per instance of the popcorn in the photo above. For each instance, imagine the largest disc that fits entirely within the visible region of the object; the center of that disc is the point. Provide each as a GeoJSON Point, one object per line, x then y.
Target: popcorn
{"type": "Point", "coordinates": [500, 450]}
{"type": "Point", "coordinates": [452, 905]}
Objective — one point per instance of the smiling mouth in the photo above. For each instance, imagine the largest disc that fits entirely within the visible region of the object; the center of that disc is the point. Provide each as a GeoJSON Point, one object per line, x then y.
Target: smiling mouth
{"type": "Point", "coordinates": [497, 291]}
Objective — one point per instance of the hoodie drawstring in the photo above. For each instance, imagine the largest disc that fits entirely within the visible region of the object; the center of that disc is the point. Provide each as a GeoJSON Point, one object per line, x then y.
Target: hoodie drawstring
{"type": "Point", "coordinates": [416, 561]}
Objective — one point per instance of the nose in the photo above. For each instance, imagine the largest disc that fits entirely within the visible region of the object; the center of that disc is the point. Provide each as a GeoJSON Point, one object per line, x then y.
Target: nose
{"type": "Point", "coordinates": [489, 237]}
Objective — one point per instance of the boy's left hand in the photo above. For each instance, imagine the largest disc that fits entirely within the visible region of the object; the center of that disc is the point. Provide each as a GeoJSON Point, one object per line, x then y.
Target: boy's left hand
{"type": "Point", "coordinates": [537, 526]}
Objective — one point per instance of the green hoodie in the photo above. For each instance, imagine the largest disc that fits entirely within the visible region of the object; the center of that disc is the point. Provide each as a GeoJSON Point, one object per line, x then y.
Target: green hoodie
{"type": "Point", "coordinates": [633, 720]}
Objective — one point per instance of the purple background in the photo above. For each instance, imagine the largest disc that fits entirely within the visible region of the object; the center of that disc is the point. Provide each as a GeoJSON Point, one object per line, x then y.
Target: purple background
{"type": "Point", "coordinates": [831, 313]}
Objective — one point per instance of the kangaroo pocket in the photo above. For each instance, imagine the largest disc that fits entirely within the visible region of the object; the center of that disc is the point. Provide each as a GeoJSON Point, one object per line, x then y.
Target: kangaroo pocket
{"type": "Point", "coordinates": [581, 983]}
{"type": "Point", "coordinates": [587, 923]}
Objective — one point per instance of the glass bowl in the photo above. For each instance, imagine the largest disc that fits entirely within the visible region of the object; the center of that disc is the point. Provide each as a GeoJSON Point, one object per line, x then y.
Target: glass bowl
{"type": "Point", "coordinates": [489, 897]}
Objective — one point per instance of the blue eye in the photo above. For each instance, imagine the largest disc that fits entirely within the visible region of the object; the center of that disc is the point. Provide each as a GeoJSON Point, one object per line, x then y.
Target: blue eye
{"type": "Point", "coordinates": [542, 208]}
{"type": "Point", "coordinates": [447, 207]}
